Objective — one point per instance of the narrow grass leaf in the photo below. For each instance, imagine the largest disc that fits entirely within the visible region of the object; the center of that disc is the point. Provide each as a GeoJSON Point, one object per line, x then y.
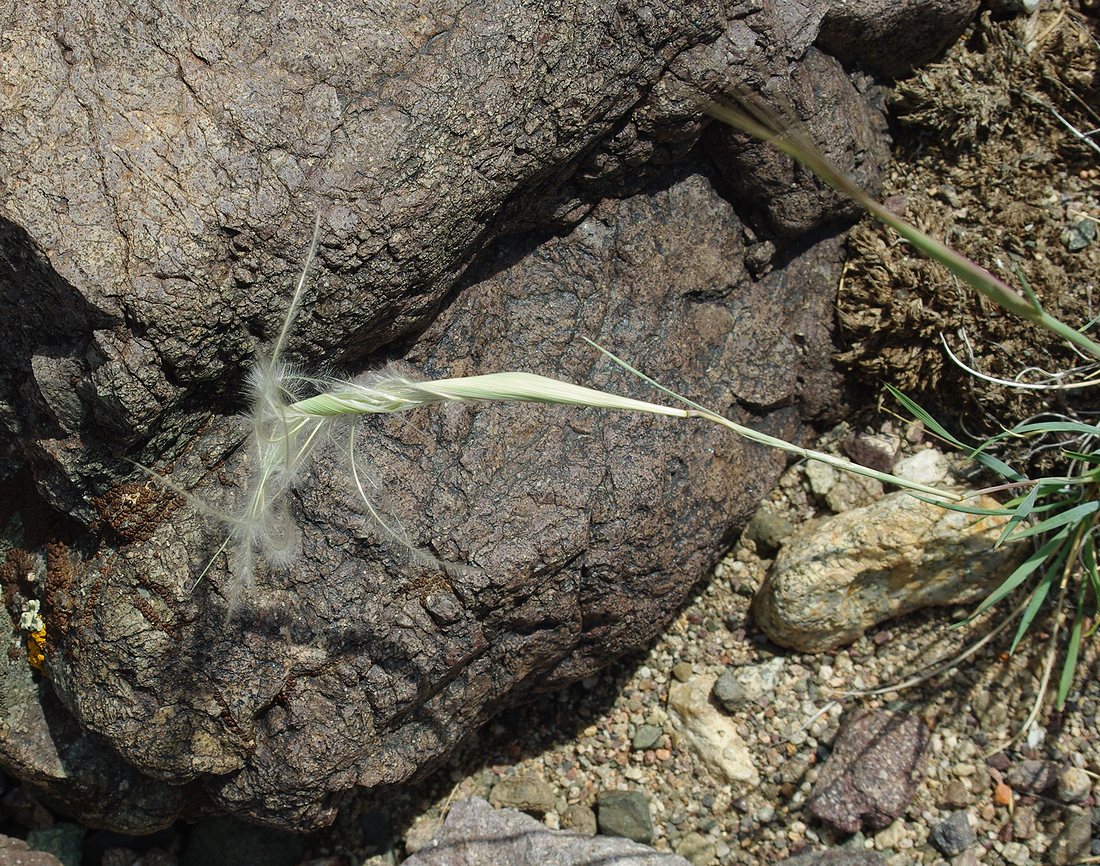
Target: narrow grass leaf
{"type": "Point", "coordinates": [758, 120]}
{"type": "Point", "coordinates": [1069, 667]}
{"type": "Point", "coordinates": [1069, 516]}
{"type": "Point", "coordinates": [1022, 572]}
{"type": "Point", "coordinates": [1038, 596]}
{"type": "Point", "coordinates": [1022, 512]}
{"type": "Point", "coordinates": [987, 460]}
{"type": "Point", "coordinates": [396, 394]}
{"type": "Point", "coordinates": [1092, 576]}
{"type": "Point", "coordinates": [990, 462]}
{"type": "Point", "coordinates": [700, 411]}
{"type": "Point", "coordinates": [1091, 459]}
{"type": "Point", "coordinates": [918, 412]}
{"type": "Point", "coordinates": [1053, 427]}
{"type": "Point", "coordinates": [967, 509]}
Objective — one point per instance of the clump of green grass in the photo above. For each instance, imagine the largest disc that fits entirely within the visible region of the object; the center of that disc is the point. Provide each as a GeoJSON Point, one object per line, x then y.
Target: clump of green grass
{"type": "Point", "coordinates": [1058, 514]}
{"type": "Point", "coordinates": [291, 413]}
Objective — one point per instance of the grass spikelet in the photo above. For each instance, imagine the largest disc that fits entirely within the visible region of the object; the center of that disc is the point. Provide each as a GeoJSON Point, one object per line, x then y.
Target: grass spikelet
{"type": "Point", "coordinates": [291, 413]}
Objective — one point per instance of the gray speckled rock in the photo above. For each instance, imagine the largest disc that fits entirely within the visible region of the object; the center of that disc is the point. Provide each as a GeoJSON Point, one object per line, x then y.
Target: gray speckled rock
{"type": "Point", "coordinates": [475, 834]}
{"type": "Point", "coordinates": [738, 685]}
{"type": "Point", "coordinates": [843, 575]}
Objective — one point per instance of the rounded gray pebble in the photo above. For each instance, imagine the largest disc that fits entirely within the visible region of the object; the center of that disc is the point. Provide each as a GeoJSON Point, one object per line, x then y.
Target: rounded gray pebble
{"type": "Point", "coordinates": [953, 835]}
{"type": "Point", "coordinates": [624, 813]}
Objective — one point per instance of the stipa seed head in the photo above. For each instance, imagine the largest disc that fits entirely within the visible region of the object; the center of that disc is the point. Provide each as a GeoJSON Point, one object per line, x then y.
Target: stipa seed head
{"type": "Point", "coordinates": [287, 427]}
{"type": "Point", "coordinates": [262, 529]}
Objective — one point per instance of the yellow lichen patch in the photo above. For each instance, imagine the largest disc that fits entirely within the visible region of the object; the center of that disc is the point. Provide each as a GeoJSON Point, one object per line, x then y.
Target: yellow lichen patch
{"type": "Point", "coordinates": [36, 649]}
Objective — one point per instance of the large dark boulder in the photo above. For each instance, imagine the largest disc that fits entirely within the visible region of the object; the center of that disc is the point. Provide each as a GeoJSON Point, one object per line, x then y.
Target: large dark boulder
{"type": "Point", "coordinates": [493, 182]}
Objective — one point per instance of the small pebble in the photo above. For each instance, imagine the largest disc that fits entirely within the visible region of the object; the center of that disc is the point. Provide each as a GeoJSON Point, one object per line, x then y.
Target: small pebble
{"type": "Point", "coordinates": [955, 794]}
{"type": "Point", "coordinates": [580, 819]}
{"type": "Point", "coordinates": [891, 836]}
{"type": "Point", "coordinates": [1016, 854]}
{"type": "Point", "coordinates": [624, 813]}
{"type": "Point", "coordinates": [954, 835]}
{"type": "Point", "coordinates": [1023, 823]}
{"type": "Point", "coordinates": [646, 737]}
{"type": "Point", "coordinates": [1032, 777]}
{"type": "Point", "coordinates": [1073, 785]}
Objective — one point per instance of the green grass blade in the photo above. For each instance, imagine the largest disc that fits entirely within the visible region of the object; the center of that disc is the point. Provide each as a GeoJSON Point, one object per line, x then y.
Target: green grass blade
{"type": "Point", "coordinates": [758, 120]}
{"type": "Point", "coordinates": [1091, 459]}
{"type": "Point", "coordinates": [1092, 576]}
{"type": "Point", "coordinates": [1023, 571]}
{"type": "Point", "coordinates": [1022, 512]}
{"type": "Point", "coordinates": [1025, 284]}
{"type": "Point", "coordinates": [922, 415]}
{"type": "Point", "coordinates": [1038, 596]}
{"type": "Point", "coordinates": [1069, 667]}
{"type": "Point", "coordinates": [1069, 516]}
{"type": "Point", "coordinates": [992, 463]}
{"type": "Point", "coordinates": [966, 509]}
{"type": "Point", "coordinates": [1053, 427]}
{"type": "Point", "coordinates": [700, 411]}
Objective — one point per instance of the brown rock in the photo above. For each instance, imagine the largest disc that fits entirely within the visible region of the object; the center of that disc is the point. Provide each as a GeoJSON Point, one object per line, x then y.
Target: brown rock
{"type": "Point", "coordinates": [873, 771]}
{"type": "Point", "coordinates": [579, 818]}
{"type": "Point", "coordinates": [1032, 777]}
{"type": "Point", "coordinates": [1024, 825]}
{"type": "Point", "coordinates": [524, 793]}
{"type": "Point", "coordinates": [956, 795]}
{"type": "Point", "coordinates": [491, 187]}
{"type": "Point", "coordinates": [858, 31]}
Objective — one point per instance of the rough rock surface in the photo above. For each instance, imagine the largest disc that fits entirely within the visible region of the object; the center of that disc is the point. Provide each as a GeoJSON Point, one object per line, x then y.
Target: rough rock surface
{"type": "Point", "coordinates": [861, 31]}
{"type": "Point", "coordinates": [839, 577]}
{"type": "Point", "coordinates": [1032, 777]}
{"type": "Point", "coordinates": [873, 771]}
{"type": "Point", "coordinates": [476, 835]}
{"type": "Point", "coordinates": [953, 835]}
{"type": "Point", "coordinates": [159, 171]}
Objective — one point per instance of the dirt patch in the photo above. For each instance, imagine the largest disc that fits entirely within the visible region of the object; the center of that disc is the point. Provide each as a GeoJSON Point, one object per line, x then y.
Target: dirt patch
{"type": "Point", "coordinates": [988, 163]}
